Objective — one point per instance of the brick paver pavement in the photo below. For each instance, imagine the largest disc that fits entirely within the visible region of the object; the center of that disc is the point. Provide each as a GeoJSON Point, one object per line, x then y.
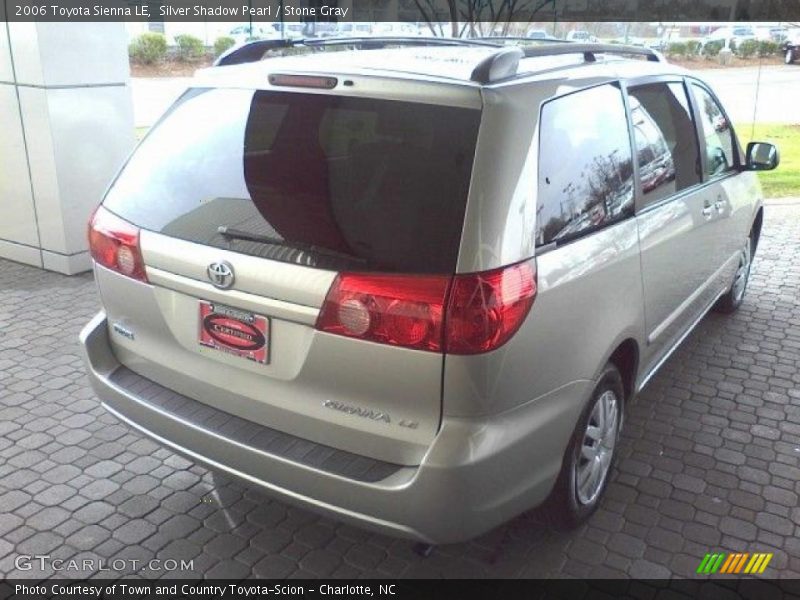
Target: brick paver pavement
{"type": "Point", "coordinates": [710, 460]}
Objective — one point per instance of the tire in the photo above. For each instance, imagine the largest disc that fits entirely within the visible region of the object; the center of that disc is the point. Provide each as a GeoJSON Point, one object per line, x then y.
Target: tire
{"type": "Point", "coordinates": [572, 502]}
{"type": "Point", "coordinates": [789, 56]}
{"type": "Point", "coordinates": [733, 298]}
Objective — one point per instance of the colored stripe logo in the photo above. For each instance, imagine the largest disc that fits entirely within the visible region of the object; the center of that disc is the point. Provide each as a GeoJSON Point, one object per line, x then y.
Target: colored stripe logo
{"type": "Point", "coordinates": [734, 563]}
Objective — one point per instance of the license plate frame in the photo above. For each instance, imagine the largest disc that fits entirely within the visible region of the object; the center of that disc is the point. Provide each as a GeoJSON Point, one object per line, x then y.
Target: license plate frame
{"type": "Point", "coordinates": [234, 331]}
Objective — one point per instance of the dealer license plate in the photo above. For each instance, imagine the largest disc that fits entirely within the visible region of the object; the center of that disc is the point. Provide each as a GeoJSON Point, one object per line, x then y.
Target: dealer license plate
{"type": "Point", "coordinates": [234, 331]}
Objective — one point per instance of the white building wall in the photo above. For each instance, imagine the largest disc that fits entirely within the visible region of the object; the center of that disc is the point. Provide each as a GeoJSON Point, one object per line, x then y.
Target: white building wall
{"type": "Point", "coordinates": [67, 123]}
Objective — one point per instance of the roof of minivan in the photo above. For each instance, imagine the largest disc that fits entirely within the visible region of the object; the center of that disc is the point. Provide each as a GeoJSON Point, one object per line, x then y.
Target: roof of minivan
{"type": "Point", "coordinates": [452, 65]}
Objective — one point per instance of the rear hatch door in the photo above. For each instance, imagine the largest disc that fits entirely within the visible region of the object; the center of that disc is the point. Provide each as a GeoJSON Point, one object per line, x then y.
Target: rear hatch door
{"type": "Point", "coordinates": [251, 202]}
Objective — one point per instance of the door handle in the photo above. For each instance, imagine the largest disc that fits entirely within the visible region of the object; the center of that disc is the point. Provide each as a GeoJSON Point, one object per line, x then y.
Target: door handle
{"type": "Point", "coordinates": [719, 205]}
{"type": "Point", "coordinates": [708, 210]}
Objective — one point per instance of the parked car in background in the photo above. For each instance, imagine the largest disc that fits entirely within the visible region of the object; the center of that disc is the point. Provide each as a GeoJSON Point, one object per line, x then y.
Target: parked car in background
{"type": "Point", "coordinates": [791, 46]}
{"type": "Point", "coordinates": [735, 35]}
{"type": "Point", "coordinates": [246, 32]}
{"type": "Point", "coordinates": [778, 34]}
{"type": "Point", "coordinates": [400, 29]}
{"type": "Point", "coordinates": [634, 41]}
{"type": "Point", "coordinates": [661, 44]}
{"type": "Point", "coordinates": [321, 29]}
{"type": "Point", "coordinates": [537, 34]}
{"type": "Point", "coordinates": [763, 33]}
{"type": "Point", "coordinates": [580, 36]}
{"type": "Point", "coordinates": [353, 29]}
{"type": "Point", "coordinates": [305, 287]}
{"type": "Point", "coordinates": [291, 30]}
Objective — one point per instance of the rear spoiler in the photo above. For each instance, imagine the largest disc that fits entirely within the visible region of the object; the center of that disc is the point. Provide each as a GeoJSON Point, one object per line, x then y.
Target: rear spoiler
{"type": "Point", "coordinates": [249, 52]}
{"type": "Point", "coordinates": [255, 50]}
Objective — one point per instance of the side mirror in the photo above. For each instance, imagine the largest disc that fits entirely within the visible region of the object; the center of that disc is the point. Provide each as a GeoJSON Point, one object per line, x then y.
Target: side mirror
{"type": "Point", "coordinates": [761, 156]}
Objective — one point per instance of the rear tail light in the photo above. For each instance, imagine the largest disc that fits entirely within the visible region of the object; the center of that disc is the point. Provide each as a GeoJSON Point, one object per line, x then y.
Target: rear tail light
{"type": "Point", "coordinates": [400, 310]}
{"type": "Point", "coordinates": [462, 314]}
{"type": "Point", "coordinates": [486, 309]}
{"type": "Point", "coordinates": [114, 244]}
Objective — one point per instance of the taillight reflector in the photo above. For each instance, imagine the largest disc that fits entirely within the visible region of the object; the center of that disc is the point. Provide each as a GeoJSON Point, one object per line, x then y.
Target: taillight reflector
{"type": "Point", "coordinates": [114, 244]}
{"type": "Point", "coordinates": [462, 314]}
{"type": "Point", "coordinates": [486, 309]}
{"type": "Point", "coordinates": [400, 310]}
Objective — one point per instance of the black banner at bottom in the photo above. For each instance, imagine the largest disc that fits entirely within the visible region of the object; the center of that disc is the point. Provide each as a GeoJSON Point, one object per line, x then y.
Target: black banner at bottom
{"type": "Point", "coordinates": [461, 589]}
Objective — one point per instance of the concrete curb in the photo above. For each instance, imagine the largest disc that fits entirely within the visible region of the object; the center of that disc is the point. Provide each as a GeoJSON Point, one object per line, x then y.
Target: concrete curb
{"type": "Point", "coordinates": [788, 201]}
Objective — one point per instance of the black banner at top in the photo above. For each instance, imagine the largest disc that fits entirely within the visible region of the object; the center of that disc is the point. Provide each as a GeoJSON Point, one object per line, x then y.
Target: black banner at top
{"type": "Point", "coordinates": [493, 11]}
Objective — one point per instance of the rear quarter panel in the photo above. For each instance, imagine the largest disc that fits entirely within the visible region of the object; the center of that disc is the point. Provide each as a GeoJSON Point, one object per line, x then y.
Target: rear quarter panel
{"type": "Point", "coordinates": [590, 291]}
{"type": "Point", "coordinates": [589, 300]}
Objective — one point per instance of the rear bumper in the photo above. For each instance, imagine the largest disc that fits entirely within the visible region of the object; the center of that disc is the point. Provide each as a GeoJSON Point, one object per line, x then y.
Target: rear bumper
{"type": "Point", "coordinates": [477, 474]}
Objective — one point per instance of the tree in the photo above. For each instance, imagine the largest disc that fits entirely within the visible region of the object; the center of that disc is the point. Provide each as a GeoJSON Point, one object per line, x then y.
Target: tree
{"type": "Point", "coordinates": [469, 15]}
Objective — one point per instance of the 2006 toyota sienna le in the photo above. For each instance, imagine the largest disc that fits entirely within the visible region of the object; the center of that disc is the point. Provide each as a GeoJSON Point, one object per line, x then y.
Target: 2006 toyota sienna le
{"type": "Point", "coordinates": [415, 287]}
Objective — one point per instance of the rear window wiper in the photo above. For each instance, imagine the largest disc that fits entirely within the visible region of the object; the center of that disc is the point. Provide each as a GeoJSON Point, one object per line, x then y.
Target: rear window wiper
{"type": "Point", "coordinates": [239, 234]}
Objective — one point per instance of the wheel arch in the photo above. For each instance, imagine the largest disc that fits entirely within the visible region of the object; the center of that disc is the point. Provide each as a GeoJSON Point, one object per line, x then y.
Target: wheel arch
{"type": "Point", "coordinates": [755, 228]}
{"type": "Point", "coordinates": [625, 357]}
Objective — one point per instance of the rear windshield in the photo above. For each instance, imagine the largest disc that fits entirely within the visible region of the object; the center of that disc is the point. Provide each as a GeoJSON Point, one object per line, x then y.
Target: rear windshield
{"type": "Point", "coordinates": [319, 180]}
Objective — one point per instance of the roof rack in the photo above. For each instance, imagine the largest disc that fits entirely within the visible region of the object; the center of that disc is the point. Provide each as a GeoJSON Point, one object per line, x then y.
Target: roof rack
{"type": "Point", "coordinates": [511, 38]}
{"type": "Point", "coordinates": [589, 50]}
{"type": "Point", "coordinates": [255, 50]}
{"type": "Point", "coordinates": [500, 65]}
{"type": "Point", "coordinates": [504, 63]}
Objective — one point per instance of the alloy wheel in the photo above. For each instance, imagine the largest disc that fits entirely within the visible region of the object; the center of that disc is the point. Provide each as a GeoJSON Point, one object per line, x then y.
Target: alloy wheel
{"type": "Point", "coordinates": [597, 448]}
{"type": "Point", "coordinates": [742, 273]}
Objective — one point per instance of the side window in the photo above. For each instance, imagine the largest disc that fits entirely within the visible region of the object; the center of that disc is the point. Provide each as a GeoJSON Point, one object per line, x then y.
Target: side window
{"type": "Point", "coordinates": [718, 133]}
{"type": "Point", "coordinates": [585, 164]}
{"type": "Point", "coordinates": [666, 142]}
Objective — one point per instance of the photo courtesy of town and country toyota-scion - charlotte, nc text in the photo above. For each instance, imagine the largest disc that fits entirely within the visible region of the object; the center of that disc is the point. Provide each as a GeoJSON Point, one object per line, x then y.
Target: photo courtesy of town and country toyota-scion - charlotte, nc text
{"type": "Point", "coordinates": [230, 590]}
{"type": "Point", "coordinates": [171, 11]}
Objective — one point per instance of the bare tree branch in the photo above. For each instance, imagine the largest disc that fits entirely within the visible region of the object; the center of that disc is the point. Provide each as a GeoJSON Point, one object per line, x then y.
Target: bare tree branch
{"type": "Point", "coordinates": [471, 15]}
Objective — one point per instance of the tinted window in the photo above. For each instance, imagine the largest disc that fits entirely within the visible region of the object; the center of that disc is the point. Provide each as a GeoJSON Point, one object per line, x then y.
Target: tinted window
{"type": "Point", "coordinates": [719, 146]}
{"type": "Point", "coordinates": [331, 182]}
{"type": "Point", "coordinates": [585, 170]}
{"type": "Point", "coordinates": [666, 143]}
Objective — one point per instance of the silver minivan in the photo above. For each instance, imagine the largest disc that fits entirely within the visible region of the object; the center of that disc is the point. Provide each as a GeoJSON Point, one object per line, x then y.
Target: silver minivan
{"type": "Point", "coordinates": [415, 287]}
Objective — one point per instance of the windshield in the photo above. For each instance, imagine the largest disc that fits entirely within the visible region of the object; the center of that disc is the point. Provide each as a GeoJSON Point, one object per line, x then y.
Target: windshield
{"type": "Point", "coordinates": [382, 182]}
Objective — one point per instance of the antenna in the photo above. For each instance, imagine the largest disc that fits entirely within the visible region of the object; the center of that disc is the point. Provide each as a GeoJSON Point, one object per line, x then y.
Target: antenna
{"type": "Point", "coordinates": [755, 104]}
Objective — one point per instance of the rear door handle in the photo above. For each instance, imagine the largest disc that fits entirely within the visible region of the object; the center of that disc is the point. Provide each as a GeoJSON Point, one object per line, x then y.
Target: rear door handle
{"type": "Point", "coordinates": [719, 205]}
{"type": "Point", "coordinates": [708, 210]}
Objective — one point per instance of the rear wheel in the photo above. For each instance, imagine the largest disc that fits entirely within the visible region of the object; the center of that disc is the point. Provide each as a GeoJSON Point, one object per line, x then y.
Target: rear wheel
{"type": "Point", "coordinates": [789, 57]}
{"type": "Point", "coordinates": [734, 297]}
{"type": "Point", "coordinates": [590, 455]}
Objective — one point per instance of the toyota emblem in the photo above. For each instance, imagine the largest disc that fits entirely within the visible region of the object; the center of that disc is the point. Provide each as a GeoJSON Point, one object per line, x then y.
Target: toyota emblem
{"type": "Point", "coordinates": [221, 274]}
